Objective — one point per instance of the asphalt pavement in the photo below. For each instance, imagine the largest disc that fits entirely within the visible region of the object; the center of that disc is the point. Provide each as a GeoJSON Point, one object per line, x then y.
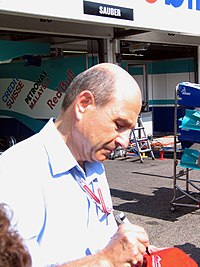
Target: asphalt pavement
{"type": "Point", "coordinates": [143, 191]}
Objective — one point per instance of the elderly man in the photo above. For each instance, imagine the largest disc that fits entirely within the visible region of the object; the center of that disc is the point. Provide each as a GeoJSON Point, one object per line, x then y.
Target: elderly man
{"type": "Point", "coordinates": [55, 182]}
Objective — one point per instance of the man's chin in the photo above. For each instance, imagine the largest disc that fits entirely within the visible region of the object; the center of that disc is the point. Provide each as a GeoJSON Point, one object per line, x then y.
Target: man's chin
{"type": "Point", "coordinates": [101, 157]}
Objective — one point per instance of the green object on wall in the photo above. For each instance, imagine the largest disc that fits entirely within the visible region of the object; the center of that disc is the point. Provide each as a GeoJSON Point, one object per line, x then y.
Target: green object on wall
{"type": "Point", "coordinates": [14, 49]}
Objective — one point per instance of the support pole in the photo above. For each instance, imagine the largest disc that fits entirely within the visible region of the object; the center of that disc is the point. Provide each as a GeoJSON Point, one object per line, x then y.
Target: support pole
{"type": "Point", "coordinates": [198, 64]}
{"type": "Point", "coordinates": [113, 50]}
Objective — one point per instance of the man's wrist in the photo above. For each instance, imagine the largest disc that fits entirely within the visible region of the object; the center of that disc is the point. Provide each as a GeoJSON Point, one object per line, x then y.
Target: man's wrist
{"type": "Point", "coordinates": [104, 261]}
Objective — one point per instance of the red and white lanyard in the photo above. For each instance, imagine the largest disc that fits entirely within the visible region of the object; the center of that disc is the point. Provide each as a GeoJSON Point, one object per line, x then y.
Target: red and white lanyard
{"type": "Point", "coordinates": [99, 200]}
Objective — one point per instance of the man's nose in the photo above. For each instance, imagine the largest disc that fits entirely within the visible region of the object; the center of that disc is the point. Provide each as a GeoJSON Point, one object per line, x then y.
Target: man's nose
{"type": "Point", "coordinates": [123, 139]}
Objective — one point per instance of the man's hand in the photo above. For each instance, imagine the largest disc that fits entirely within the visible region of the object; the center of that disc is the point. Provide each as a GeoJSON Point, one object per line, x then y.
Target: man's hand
{"type": "Point", "coordinates": [127, 246]}
{"type": "Point", "coordinates": [126, 249]}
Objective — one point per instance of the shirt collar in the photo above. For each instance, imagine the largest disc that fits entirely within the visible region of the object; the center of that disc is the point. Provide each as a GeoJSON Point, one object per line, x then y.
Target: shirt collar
{"type": "Point", "coordinates": [93, 171]}
{"type": "Point", "coordinates": [60, 158]}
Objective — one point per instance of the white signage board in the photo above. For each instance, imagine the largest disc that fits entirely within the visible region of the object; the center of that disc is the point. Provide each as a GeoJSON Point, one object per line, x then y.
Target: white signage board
{"type": "Point", "coordinates": [179, 16]}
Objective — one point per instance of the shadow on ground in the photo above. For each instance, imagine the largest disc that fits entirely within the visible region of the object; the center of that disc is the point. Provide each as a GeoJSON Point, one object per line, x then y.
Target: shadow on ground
{"type": "Point", "coordinates": [153, 206]}
{"type": "Point", "coordinates": [192, 251]}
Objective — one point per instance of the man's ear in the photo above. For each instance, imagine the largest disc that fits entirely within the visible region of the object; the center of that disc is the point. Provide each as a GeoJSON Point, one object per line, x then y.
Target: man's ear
{"type": "Point", "coordinates": [84, 101]}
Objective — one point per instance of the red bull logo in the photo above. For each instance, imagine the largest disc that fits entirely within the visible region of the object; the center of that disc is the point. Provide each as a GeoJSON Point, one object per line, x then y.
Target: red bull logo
{"type": "Point", "coordinates": [191, 4]}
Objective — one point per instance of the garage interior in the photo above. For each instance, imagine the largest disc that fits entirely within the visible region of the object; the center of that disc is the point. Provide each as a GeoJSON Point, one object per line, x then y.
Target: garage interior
{"type": "Point", "coordinates": [129, 50]}
{"type": "Point", "coordinates": [71, 37]}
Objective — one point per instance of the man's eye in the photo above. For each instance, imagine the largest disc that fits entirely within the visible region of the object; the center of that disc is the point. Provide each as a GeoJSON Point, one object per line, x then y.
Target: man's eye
{"type": "Point", "coordinates": [119, 126]}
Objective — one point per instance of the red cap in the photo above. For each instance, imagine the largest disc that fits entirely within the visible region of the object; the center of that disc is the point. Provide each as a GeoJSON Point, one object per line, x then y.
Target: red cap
{"type": "Point", "coordinates": [169, 257]}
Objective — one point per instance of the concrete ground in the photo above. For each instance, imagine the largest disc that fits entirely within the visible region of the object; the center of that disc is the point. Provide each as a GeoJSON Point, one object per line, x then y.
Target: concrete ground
{"type": "Point", "coordinates": [144, 191]}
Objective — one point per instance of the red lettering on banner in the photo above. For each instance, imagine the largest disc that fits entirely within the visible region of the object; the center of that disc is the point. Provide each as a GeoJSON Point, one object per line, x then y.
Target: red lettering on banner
{"type": "Point", "coordinates": [34, 95]}
{"type": "Point", "coordinates": [61, 88]}
{"type": "Point", "coordinates": [14, 94]}
{"type": "Point", "coordinates": [52, 102]}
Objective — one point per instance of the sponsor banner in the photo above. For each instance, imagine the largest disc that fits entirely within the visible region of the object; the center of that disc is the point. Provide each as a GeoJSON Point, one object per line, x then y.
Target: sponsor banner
{"type": "Point", "coordinates": [180, 16]}
{"type": "Point", "coordinates": [37, 92]}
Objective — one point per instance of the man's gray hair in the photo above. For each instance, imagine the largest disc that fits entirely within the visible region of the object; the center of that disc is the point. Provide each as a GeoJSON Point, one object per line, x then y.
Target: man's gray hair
{"type": "Point", "coordinates": [98, 80]}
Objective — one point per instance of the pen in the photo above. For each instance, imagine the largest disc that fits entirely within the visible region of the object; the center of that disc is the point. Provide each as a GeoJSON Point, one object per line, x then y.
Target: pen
{"type": "Point", "coordinates": [121, 218]}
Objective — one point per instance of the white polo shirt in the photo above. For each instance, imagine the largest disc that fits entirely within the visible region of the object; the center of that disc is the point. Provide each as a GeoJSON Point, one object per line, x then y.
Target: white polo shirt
{"type": "Point", "coordinates": [58, 220]}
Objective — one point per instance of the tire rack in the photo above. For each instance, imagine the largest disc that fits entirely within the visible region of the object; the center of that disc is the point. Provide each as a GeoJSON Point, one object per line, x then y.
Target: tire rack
{"type": "Point", "coordinates": [188, 196]}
